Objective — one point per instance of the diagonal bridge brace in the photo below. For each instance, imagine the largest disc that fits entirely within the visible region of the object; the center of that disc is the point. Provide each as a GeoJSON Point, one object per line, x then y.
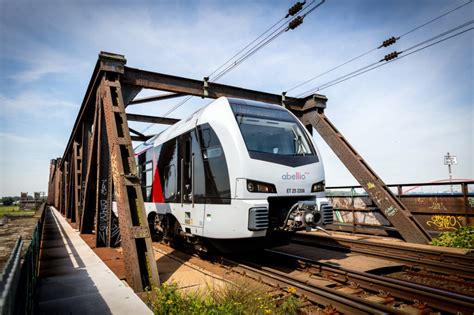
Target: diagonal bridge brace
{"type": "Point", "coordinates": [392, 208]}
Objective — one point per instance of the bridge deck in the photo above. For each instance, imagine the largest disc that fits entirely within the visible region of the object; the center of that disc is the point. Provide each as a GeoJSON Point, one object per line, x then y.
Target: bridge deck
{"type": "Point", "coordinates": [74, 280]}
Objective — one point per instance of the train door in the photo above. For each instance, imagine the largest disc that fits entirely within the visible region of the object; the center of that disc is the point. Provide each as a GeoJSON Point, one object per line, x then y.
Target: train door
{"type": "Point", "coordinates": [190, 183]}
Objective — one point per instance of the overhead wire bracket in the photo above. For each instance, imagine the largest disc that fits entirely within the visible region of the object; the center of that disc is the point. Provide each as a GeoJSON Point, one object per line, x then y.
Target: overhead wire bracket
{"type": "Point", "coordinates": [205, 87]}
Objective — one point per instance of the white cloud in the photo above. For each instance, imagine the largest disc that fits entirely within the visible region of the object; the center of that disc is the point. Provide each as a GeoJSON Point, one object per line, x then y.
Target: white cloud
{"type": "Point", "coordinates": [11, 138]}
{"type": "Point", "coordinates": [36, 103]}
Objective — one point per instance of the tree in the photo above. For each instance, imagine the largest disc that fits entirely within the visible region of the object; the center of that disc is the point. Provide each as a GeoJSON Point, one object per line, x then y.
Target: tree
{"type": "Point", "coordinates": [7, 201]}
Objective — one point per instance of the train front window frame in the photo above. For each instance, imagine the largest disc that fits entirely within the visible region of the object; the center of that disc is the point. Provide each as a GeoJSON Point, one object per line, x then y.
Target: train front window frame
{"type": "Point", "coordinates": [274, 135]}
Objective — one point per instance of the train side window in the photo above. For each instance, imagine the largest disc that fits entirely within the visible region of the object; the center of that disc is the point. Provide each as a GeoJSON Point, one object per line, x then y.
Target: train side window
{"type": "Point", "coordinates": [217, 184]}
{"type": "Point", "coordinates": [187, 155]}
{"type": "Point", "coordinates": [205, 137]}
{"type": "Point", "coordinates": [167, 162]}
{"type": "Point", "coordinates": [148, 170]}
{"type": "Point", "coordinates": [170, 182]}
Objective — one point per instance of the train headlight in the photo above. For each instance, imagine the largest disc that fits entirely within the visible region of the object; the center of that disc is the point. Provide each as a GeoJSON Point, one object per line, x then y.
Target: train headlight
{"type": "Point", "coordinates": [250, 186]}
{"type": "Point", "coordinates": [318, 187]}
{"type": "Point", "coordinates": [259, 187]}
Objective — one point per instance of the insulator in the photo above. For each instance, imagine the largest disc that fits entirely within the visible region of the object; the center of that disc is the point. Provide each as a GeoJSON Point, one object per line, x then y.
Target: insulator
{"type": "Point", "coordinates": [297, 21]}
{"type": "Point", "coordinates": [295, 8]}
{"type": "Point", "coordinates": [392, 40]}
{"type": "Point", "coordinates": [391, 56]}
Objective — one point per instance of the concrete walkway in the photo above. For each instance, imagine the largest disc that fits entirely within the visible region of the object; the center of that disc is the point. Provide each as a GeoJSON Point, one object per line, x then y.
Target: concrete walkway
{"type": "Point", "coordinates": [74, 280]}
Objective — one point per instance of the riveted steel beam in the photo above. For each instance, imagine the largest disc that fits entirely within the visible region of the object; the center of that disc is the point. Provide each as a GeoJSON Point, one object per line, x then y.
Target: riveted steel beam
{"type": "Point", "coordinates": [152, 119]}
{"type": "Point", "coordinates": [156, 98]}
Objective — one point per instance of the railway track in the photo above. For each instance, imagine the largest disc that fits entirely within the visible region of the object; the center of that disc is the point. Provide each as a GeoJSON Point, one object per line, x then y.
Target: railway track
{"type": "Point", "coordinates": [319, 295]}
{"type": "Point", "coordinates": [384, 290]}
{"type": "Point", "coordinates": [418, 256]}
{"type": "Point", "coordinates": [336, 289]}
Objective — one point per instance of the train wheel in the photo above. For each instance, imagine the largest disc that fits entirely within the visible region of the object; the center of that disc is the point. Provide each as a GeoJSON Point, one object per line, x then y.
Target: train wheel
{"type": "Point", "coordinates": [172, 232]}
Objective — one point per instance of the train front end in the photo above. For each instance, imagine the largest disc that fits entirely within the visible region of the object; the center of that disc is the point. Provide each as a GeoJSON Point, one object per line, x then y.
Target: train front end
{"type": "Point", "coordinates": [281, 178]}
{"type": "Point", "coordinates": [235, 173]}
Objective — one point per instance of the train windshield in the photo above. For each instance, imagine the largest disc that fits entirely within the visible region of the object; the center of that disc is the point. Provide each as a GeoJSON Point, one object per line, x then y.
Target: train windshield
{"type": "Point", "coordinates": [271, 133]}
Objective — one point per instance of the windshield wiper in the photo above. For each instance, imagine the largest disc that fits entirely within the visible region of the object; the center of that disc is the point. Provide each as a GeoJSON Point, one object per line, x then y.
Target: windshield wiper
{"type": "Point", "coordinates": [300, 150]}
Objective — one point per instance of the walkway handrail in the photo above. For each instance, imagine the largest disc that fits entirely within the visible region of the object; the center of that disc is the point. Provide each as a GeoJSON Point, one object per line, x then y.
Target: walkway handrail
{"type": "Point", "coordinates": [9, 280]}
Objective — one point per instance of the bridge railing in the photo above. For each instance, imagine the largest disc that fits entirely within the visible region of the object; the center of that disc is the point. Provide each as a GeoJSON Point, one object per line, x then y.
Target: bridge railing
{"type": "Point", "coordinates": [19, 277]}
{"type": "Point", "coordinates": [439, 207]}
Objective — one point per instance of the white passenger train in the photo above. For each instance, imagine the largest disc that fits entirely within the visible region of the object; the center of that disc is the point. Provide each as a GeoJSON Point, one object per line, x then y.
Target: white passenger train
{"type": "Point", "coordinates": [233, 170]}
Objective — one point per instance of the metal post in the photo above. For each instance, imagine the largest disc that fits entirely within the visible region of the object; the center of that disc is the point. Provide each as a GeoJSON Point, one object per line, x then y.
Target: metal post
{"type": "Point", "coordinates": [140, 265]}
{"type": "Point", "coordinates": [450, 160]}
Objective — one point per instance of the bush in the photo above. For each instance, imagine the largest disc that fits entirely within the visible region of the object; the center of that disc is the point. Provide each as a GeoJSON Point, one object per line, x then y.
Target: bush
{"type": "Point", "coordinates": [461, 238]}
{"type": "Point", "coordinates": [229, 299]}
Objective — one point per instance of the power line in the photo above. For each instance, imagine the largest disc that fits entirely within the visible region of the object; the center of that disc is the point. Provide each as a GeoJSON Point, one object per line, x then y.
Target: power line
{"type": "Point", "coordinates": [294, 23]}
{"type": "Point", "coordinates": [436, 18]}
{"type": "Point", "coordinates": [401, 57]}
{"type": "Point", "coordinates": [378, 64]}
{"type": "Point", "coordinates": [261, 44]}
{"type": "Point", "coordinates": [385, 43]}
{"type": "Point", "coordinates": [243, 49]}
{"type": "Point", "coordinates": [291, 12]}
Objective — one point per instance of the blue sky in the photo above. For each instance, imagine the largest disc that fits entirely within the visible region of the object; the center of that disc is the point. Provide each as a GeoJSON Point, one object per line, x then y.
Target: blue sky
{"type": "Point", "coordinates": [402, 117]}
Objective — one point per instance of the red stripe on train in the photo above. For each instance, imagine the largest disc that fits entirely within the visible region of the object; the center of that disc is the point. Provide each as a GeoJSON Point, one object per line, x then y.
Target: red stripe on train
{"type": "Point", "coordinates": [157, 195]}
{"type": "Point", "coordinates": [157, 192]}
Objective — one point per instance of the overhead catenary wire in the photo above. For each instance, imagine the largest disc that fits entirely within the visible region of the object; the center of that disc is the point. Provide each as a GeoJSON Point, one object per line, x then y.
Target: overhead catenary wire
{"type": "Point", "coordinates": [385, 43]}
{"type": "Point", "coordinates": [296, 8]}
{"type": "Point", "coordinates": [401, 57]}
{"type": "Point", "coordinates": [396, 56]}
{"type": "Point", "coordinates": [280, 29]}
{"type": "Point", "coordinates": [294, 23]}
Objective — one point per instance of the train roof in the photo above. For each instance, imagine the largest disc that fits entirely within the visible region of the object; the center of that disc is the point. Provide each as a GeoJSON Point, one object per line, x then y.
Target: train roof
{"type": "Point", "coordinates": [201, 114]}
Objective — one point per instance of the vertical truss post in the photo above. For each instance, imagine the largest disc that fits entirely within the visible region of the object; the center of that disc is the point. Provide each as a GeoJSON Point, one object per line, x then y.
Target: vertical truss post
{"type": "Point", "coordinates": [57, 185]}
{"type": "Point", "coordinates": [61, 190]}
{"type": "Point", "coordinates": [104, 183]}
{"type": "Point", "coordinates": [391, 207]}
{"type": "Point", "coordinates": [65, 184]}
{"type": "Point", "coordinates": [70, 192]}
{"type": "Point", "coordinates": [85, 136]}
{"type": "Point", "coordinates": [77, 169]}
{"type": "Point", "coordinates": [89, 199]}
{"type": "Point", "coordinates": [140, 266]}
{"type": "Point", "coordinates": [52, 173]}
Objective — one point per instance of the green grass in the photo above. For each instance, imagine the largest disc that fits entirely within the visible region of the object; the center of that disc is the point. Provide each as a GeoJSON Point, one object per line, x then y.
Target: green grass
{"type": "Point", "coordinates": [14, 211]}
{"type": "Point", "coordinates": [229, 299]}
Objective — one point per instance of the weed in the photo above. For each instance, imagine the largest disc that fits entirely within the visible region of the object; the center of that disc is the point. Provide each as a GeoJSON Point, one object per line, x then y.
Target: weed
{"type": "Point", "coordinates": [461, 238]}
{"type": "Point", "coordinates": [239, 299]}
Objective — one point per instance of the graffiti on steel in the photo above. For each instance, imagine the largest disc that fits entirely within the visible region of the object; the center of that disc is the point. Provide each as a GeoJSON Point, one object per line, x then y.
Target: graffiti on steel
{"type": "Point", "coordinates": [351, 202]}
{"type": "Point", "coordinates": [115, 231]}
{"type": "Point", "coordinates": [391, 211]}
{"type": "Point", "coordinates": [370, 185]}
{"type": "Point", "coordinates": [471, 201]}
{"type": "Point", "coordinates": [103, 211]}
{"type": "Point", "coordinates": [432, 203]}
{"type": "Point", "coordinates": [115, 174]}
{"type": "Point", "coordinates": [444, 222]}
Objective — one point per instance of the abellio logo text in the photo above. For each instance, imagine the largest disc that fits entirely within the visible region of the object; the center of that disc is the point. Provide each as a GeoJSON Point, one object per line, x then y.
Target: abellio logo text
{"type": "Point", "coordinates": [295, 176]}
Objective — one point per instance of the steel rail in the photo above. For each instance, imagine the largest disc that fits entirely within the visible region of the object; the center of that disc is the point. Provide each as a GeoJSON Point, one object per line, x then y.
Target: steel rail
{"type": "Point", "coordinates": [434, 260]}
{"type": "Point", "coordinates": [322, 295]}
{"type": "Point", "coordinates": [435, 298]}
